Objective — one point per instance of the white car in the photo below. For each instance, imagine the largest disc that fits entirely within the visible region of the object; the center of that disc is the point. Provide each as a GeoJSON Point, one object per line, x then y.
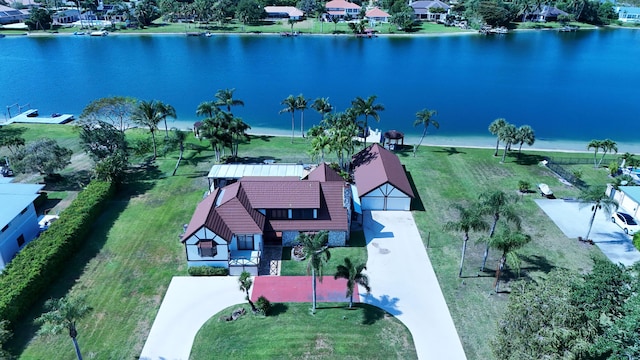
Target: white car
{"type": "Point", "coordinates": [626, 222]}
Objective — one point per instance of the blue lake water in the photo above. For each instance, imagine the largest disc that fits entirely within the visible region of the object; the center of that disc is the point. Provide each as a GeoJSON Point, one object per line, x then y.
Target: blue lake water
{"type": "Point", "coordinates": [567, 86]}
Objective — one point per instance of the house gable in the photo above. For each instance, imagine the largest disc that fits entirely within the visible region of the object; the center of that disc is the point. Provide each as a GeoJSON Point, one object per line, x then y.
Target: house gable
{"type": "Point", "coordinates": [376, 166]}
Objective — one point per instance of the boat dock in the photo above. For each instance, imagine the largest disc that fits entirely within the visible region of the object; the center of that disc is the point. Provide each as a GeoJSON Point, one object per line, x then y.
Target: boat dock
{"type": "Point", "coordinates": [31, 116]}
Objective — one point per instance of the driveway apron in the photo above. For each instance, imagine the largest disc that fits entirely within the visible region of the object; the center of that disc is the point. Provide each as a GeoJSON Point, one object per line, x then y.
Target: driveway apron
{"type": "Point", "coordinates": [404, 284]}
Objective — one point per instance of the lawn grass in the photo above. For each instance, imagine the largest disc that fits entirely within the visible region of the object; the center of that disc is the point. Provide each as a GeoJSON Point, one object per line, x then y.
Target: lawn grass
{"type": "Point", "coordinates": [334, 332]}
{"type": "Point", "coordinates": [126, 264]}
{"type": "Point", "coordinates": [356, 251]}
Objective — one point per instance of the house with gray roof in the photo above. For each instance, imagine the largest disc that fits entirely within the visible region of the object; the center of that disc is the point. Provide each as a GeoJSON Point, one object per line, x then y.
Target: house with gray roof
{"type": "Point", "coordinates": [230, 227]}
{"type": "Point", "coordinates": [10, 15]}
{"type": "Point", "coordinates": [430, 10]}
{"type": "Point", "coordinates": [628, 14]}
{"type": "Point", "coordinates": [381, 180]}
{"type": "Point", "coordinates": [18, 219]}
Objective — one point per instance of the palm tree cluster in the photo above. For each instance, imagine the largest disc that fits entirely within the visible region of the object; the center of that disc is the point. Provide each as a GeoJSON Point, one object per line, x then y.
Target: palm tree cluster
{"type": "Point", "coordinates": [510, 135]}
{"type": "Point", "coordinates": [220, 127]}
{"type": "Point", "coordinates": [504, 236]}
{"type": "Point", "coordinates": [605, 145]}
{"type": "Point", "coordinates": [149, 114]}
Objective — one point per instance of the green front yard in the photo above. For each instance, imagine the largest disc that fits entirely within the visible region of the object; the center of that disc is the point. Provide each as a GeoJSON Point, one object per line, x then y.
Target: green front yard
{"type": "Point", "coordinates": [127, 262]}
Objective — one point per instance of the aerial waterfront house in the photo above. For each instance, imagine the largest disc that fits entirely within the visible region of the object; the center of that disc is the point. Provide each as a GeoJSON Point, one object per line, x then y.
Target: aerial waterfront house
{"type": "Point", "coordinates": [283, 12]}
{"type": "Point", "coordinates": [342, 9]}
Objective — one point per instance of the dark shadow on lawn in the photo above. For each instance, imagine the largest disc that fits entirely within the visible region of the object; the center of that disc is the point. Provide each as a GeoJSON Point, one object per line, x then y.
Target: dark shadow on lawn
{"type": "Point", "coordinates": [74, 181]}
{"type": "Point", "coordinates": [357, 239]}
{"type": "Point", "coordinates": [25, 328]}
{"type": "Point", "coordinates": [278, 309]}
{"type": "Point", "coordinates": [371, 313]}
{"type": "Point", "coordinates": [265, 138]}
{"type": "Point", "coordinates": [253, 160]}
{"type": "Point", "coordinates": [525, 159]}
{"type": "Point", "coordinates": [536, 263]}
{"type": "Point", "coordinates": [449, 151]}
{"type": "Point", "coordinates": [416, 202]}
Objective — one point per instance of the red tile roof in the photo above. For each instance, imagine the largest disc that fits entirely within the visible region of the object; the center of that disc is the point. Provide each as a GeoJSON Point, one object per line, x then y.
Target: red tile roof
{"type": "Point", "coordinates": [341, 4]}
{"type": "Point", "coordinates": [324, 172]}
{"type": "Point", "coordinates": [376, 166]}
{"type": "Point", "coordinates": [376, 12]}
{"type": "Point", "coordinates": [282, 193]}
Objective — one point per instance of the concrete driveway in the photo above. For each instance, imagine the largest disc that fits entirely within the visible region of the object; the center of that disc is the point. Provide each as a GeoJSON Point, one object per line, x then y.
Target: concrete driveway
{"type": "Point", "coordinates": [404, 284]}
{"type": "Point", "coordinates": [187, 305]}
{"type": "Point", "coordinates": [573, 219]}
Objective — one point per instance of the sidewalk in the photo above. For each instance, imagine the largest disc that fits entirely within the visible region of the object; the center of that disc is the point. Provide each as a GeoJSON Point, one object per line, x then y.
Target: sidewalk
{"type": "Point", "coordinates": [404, 284]}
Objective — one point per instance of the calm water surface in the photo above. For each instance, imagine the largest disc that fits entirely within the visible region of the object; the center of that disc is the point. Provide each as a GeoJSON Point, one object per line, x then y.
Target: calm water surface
{"type": "Point", "coordinates": [568, 86]}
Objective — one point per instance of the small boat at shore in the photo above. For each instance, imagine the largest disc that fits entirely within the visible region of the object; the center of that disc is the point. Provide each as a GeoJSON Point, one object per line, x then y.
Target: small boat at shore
{"type": "Point", "coordinates": [99, 33]}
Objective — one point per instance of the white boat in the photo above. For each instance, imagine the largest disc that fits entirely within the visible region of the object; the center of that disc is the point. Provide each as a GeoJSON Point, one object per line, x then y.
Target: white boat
{"type": "Point", "coordinates": [99, 33]}
{"type": "Point", "coordinates": [545, 190]}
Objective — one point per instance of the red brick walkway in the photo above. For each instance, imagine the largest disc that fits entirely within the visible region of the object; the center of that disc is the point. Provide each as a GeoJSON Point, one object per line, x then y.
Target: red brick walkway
{"type": "Point", "coordinates": [298, 289]}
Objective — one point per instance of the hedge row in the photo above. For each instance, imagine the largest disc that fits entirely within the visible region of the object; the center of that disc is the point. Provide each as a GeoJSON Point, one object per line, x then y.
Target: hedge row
{"type": "Point", "coordinates": [208, 271]}
{"type": "Point", "coordinates": [636, 240]}
{"type": "Point", "coordinates": [40, 263]}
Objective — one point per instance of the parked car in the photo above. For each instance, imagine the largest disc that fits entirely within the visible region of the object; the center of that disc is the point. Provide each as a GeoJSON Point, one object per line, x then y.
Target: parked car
{"type": "Point", "coordinates": [626, 222]}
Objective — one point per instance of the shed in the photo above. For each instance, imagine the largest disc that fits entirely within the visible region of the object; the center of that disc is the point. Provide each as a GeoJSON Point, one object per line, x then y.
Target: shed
{"type": "Point", "coordinates": [381, 180]}
{"type": "Point", "coordinates": [224, 174]}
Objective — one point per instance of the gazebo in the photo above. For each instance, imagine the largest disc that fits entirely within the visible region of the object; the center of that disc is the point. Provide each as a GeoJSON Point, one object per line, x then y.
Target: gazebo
{"type": "Point", "coordinates": [394, 135]}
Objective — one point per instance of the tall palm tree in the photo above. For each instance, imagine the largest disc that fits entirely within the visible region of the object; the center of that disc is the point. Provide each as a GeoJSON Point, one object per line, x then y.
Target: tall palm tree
{"type": "Point", "coordinates": [595, 145]}
{"type": "Point", "coordinates": [353, 274]}
{"type": "Point", "coordinates": [495, 127]}
{"type": "Point", "coordinates": [508, 135]}
{"type": "Point", "coordinates": [316, 251]}
{"type": "Point", "coordinates": [290, 106]}
{"type": "Point", "coordinates": [178, 138]}
{"type": "Point", "coordinates": [507, 241]}
{"type": "Point", "coordinates": [607, 145]}
{"type": "Point", "coordinates": [217, 132]}
{"type": "Point", "coordinates": [525, 135]}
{"type": "Point", "coordinates": [245, 283]}
{"type": "Point", "coordinates": [319, 145]}
{"type": "Point", "coordinates": [469, 219]}
{"type": "Point", "coordinates": [148, 114]}
{"type": "Point", "coordinates": [497, 204]}
{"type": "Point", "coordinates": [322, 106]}
{"type": "Point", "coordinates": [224, 98]}
{"type": "Point", "coordinates": [62, 314]}
{"type": "Point", "coordinates": [367, 108]}
{"type": "Point", "coordinates": [301, 105]}
{"type": "Point", "coordinates": [207, 109]}
{"type": "Point", "coordinates": [238, 131]}
{"type": "Point", "coordinates": [424, 117]}
{"type": "Point", "coordinates": [598, 199]}
{"type": "Point", "coordinates": [165, 111]}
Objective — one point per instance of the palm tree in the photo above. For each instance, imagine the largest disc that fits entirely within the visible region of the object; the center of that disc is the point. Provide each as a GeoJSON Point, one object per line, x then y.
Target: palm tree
{"type": "Point", "coordinates": [607, 145]}
{"type": "Point", "coordinates": [317, 253]}
{"type": "Point", "coordinates": [424, 117]}
{"type": "Point", "coordinates": [224, 97]}
{"type": "Point", "coordinates": [207, 109]}
{"type": "Point", "coordinates": [498, 205]}
{"type": "Point", "coordinates": [322, 106]}
{"type": "Point", "coordinates": [508, 136]}
{"type": "Point", "coordinates": [63, 314]}
{"type": "Point", "coordinates": [367, 108]}
{"type": "Point", "coordinates": [525, 135]}
{"type": "Point", "coordinates": [627, 159]}
{"type": "Point", "coordinates": [353, 274]}
{"type": "Point", "coordinates": [166, 110]}
{"type": "Point", "coordinates": [178, 137]}
{"type": "Point", "coordinates": [495, 128]}
{"type": "Point", "coordinates": [470, 219]}
{"type": "Point", "coordinates": [319, 145]}
{"type": "Point", "coordinates": [598, 199]}
{"type": "Point", "coordinates": [301, 104]}
{"type": "Point", "coordinates": [595, 145]}
{"type": "Point", "coordinates": [238, 131]}
{"type": "Point", "coordinates": [508, 242]}
{"type": "Point", "coordinates": [217, 132]}
{"type": "Point", "coordinates": [148, 114]}
{"type": "Point", "coordinates": [245, 283]}
{"type": "Point", "coordinates": [290, 103]}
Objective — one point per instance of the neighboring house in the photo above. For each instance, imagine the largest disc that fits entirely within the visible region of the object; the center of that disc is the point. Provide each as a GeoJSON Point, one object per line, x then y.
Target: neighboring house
{"type": "Point", "coordinates": [342, 9]}
{"type": "Point", "coordinates": [628, 13]}
{"type": "Point", "coordinates": [10, 15]}
{"type": "Point", "coordinates": [231, 225]}
{"type": "Point", "coordinates": [18, 219]}
{"type": "Point", "coordinates": [66, 16]}
{"type": "Point", "coordinates": [283, 12]}
{"type": "Point", "coordinates": [628, 198]}
{"type": "Point", "coordinates": [381, 180]}
{"type": "Point", "coordinates": [377, 15]}
{"type": "Point", "coordinates": [545, 13]}
{"type": "Point", "coordinates": [430, 10]}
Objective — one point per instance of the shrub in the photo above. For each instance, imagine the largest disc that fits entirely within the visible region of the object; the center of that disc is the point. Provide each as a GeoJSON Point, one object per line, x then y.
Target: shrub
{"type": "Point", "coordinates": [523, 186]}
{"type": "Point", "coordinates": [208, 271]}
{"type": "Point", "coordinates": [636, 240]}
{"type": "Point", "coordinates": [40, 263]}
{"type": "Point", "coordinates": [577, 174]}
{"type": "Point", "coordinates": [614, 168]}
{"type": "Point", "coordinates": [263, 305]}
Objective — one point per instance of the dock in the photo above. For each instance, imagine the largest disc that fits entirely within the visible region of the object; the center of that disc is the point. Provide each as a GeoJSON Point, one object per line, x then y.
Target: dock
{"type": "Point", "coordinates": [31, 116]}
